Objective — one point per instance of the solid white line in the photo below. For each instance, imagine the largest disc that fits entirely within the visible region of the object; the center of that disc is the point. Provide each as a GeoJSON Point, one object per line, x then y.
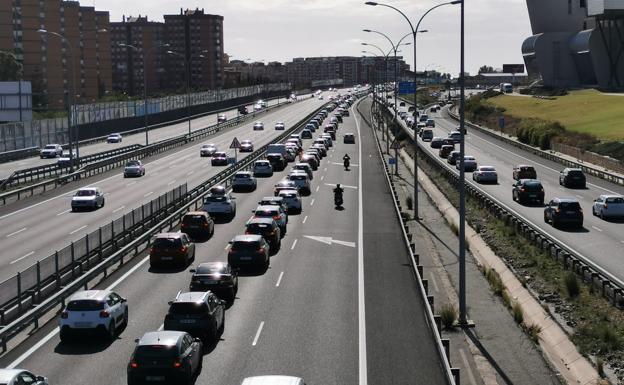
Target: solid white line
{"type": "Point", "coordinates": [148, 194]}
{"type": "Point", "coordinates": [119, 208]}
{"type": "Point", "coordinates": [16, 232]}
{"type": "Point", "coordinates": [63, 212]}
{"type": "Point", "coordinates": [22, 257]}
{"type": "Point", "coordinates": [131, 184]}
{"type": "Point", "coordinates": [170, 183]}
{"type": "Point", "coordinates": [361, 299]}
{"type": "Point", "coordinates": [255, 341]}
{"type": "Point", "coordinates": [293, 245]}
{"type": "Point", "coordinates": [471, 377]}
{"type": "Point", "coordinates": [597, 228]}
{"type": "Point", "coordinates": [77, 230]}
{"type": "Point", "coordinates": [318, 187]}
{"type": "Point", "coordinates": [279, 280]}
{"type": "Point", "coordinates": [322, 177]}
{"type": "Point", "coordinates": [190, 173]}
{"type": "Point", "coordinates": [227, 246]}
{"type": "Point", "coordinates": [312, 202]}
{"type": "Point", "coordinates": [305, 219]}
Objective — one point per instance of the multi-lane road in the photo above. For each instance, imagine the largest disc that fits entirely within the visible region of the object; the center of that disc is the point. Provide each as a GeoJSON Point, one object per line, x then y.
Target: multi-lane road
{"type": "Point", "coordinates": [337, 306]}
{"type": "Point", "coordinates": [599, 240]}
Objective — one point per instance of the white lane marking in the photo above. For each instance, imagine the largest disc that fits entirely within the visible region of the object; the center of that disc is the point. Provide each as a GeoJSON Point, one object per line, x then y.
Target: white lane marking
{"type": "Point", "coordinates": [161, 327]}
{"type": "Point", "coordinates": [119, 209]}
{"type": "Point", "coordinates": [325, 169]}
{"type": "Point", "coordinates": [255, 341]}
{"type": "Point", "coordinates": [22, 257]}
{"type": "Point", "coordinates": [294, 244]}
{"type": "Point", "coordinates": [170, 183]}
{"type": "Point", "coordinates": [361, 299]}
{"type": "Point", "coordinates": [579, 196]}
{"type": "Point", "coordinates": [227, 246]}
{"type": "Point", "coordinates": [16, 232]}
{"type": "Point", "coordinates": [318, 187]}
{"type": "Point", "coordinates": [279, 279]}
{"type": "Point", "coordinates": [305, 219]}
{"type": "Point", "coordinates": [63, 212]}
{"type": "Point", "coordinates": [312, 202]}
{"type": "Point", "coordinates": [77, 230]}
{"type": "Point", "coordinates": [434, 282]}
{"type": "Point", "coordinates": [597, 228]}
{"type": "Point", "coordinates": [148, 194]}
{"type": "Point", "coordinates": [190, 173]}
{"type": "Point", "coordinates": [131, 184]}
{"type": "Point", "coordinates": [471, 377]}
{"type": "Point", "coordinates": [322, 177]}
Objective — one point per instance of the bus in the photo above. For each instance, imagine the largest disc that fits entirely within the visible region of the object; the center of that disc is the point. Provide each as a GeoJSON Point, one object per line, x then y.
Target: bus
{"type": "Point", "coordinates": [506, 88]}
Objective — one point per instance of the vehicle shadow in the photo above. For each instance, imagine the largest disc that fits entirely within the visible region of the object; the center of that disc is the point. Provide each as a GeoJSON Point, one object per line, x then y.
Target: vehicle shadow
{"type": "Point", "coordinates": [168, 270]}
{"type": "Point", "coordinates": [76, 346]}
{"type": "Point", "coordinates": [251, 272]}
{"type": "Point", "coordinates": [569, 229]}
{"type": "Point", "coordinates": [220, 220]}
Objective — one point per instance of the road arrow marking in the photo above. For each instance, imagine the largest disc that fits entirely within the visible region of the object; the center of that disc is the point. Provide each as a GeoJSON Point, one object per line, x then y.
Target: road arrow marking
{"type": "Point", "coordinates": [330, 240]}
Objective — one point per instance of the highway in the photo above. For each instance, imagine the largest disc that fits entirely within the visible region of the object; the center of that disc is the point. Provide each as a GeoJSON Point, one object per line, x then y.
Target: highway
{"type": "Point", "coordinates": [33, 229]}
{"type": "Point", "coordinates": [337, 305]}
{"type": "Point", "coordinates": [155, 135]}
{"type": "Point", "coordinates": [600, 241]}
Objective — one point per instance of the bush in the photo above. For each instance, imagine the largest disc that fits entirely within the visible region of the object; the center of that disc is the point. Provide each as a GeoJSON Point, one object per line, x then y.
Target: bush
{"type": "Point", "coordinates": [448, 315]}
{"type": "Point", "coordinates": [409, 201]}
{"type": "Point", "coordinates": [495, 282]}
{"type": "Point", "coordinates": [600, 367]}
{"type": "Point", "coordinates": [533, 330]}
{"type": "Point", "coordinates": [540, 133]}
{"type": "Point", "coordinates": [506, 299]}
{"type": "Point", "coordinates": [517, 313]}
{"type": "Point", "coordinates": [572, 285]}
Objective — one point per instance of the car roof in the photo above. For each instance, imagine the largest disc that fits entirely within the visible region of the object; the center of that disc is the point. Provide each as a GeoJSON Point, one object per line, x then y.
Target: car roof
{"type": "Point", "coordinates": [96, 295]}
{"type": "Point", "coordinates": [572, 169]}
{"type": "Point", "coordinates": [530, 181]}
{"type": "Point", "coordinates": [243, 173]}
{"type": "Point", "coordinates": [220, 153]}
{"type": "Point", "coordinates": [247, 238]}
{"type": "Point", "coordinates": [7, 375]}
{"type": "Point", "coordinates": [87, 188]}
{"type": "Point", "coordinates": [270, 198]}
{"type": "Point", "coordinates": [566, 200]}
{"type": "Point", "coordinates": [272, 380]}
{"type": "Point", "coordinates": [197, 213]}
{"type": "Point", "coordinates": [267, 207]}
{"type": "Point", "coordinates": [267, 221]}
{"type": "Point", "coordinates": [163, 337]}
{"type": "Point", "coordinates": [217, 265]}
{"type": "Point", "coordinates": [191, 296]}
{"type": "Point", "coordinates": [291, 191]}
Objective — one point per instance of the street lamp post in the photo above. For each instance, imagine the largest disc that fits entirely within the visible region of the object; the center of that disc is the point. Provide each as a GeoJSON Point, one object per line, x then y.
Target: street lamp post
{"type": "Point", "coordinates": [70, 99]}
{"type": "Point", "coordinates": [385, 55]}
{"type": "Point", "coordinates": [188, 86]}
{"type": "Point", "coordinates": [146, 112]}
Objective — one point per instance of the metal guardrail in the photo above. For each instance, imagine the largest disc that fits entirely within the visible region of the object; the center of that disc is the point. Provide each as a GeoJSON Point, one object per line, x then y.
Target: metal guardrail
{"type": "Point", "coordinates": [115, 161]}
{"type": "Point", "coordinates": [611, 287]}
{"type": "Point", "coordinates": [47, 275]}
{"type": "Point", "coordinates": [602, 174]}
{"type": "Point", "coordinates": [8, 156]}
{"type": "Point", "coordinates": [433, 321]}
{"type": "Point", "coordinates": [194, 199]}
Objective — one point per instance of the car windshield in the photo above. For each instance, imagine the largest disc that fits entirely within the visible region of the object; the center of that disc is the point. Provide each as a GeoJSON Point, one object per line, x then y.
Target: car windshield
{"type": "Point", "coordinates": [85, 193]}
{"type": "Point", "coordinates": [50, 147]}
{"type": "Point", "coordinates": [220, 155]}
{"type": "Point", "coordinates": [85, 305]}
{"type": "Point", "coordinates": [487, 169]}
{"type": "Point", "coordinates": [167, 243]}
{"type": "Point", "coordinates": [133, 163]}
{"type": "Point", "coordinates": [156, 351]}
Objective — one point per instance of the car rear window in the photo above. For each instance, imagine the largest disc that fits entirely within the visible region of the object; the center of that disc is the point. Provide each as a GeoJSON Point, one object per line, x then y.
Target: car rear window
{"type": "Point", "coordinates": [533, 186]}
{"type": "Point", "coordinates": [213, 199]}
{"type": "Point", "coordinates": [526, 169]}
{"type": "Point", "coordinates": [266, 214]}
{"type": "Point", "coordinates": [50, 147]}
{"type": "Point", "coordinates": [245, 246]}
{"type": "Point", "coordinates": [289, 195]}
{"type": "Point", "coordinates": [615, 200]}
{"type": "Point", "coordinates": [156, 351]}
{"type": "Point", "coordinates": [187, 308]}
{"type": "Point", "coordinates": [298, 177]}
{"type": "Point", "coordinates": [575, 173]}
{"type": "Point", "coordinates": [167, 243]}
{"type": "Point", "coordinates": [570, 206]}
{"type": "Point", "coordinates": [85, 305]}
{"type": "Point", "coordinates": [241, 176]}
{"type": "Point", "coordinates": [258, 227]}
{"type": "Point", "coordinates": [488, 169]}
{"type": "Point", "coordinates": [210, 269]}
{"type": "Point", "coordinates": [194, 219]}
{"type": "Point", "coordinates": [132, 163]}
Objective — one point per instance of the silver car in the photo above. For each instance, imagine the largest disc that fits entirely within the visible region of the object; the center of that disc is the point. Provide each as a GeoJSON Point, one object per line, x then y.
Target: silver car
{"type": "Point", "coordinates": [20, 376]}
{"type": "Point", "coordinates": [134, 168]}
{"type": "Point", "coordinates": [485, 174]}
{"type": "Point", "coordinates": [208, 149]}
{"type": "Point", "coordinates": [304, 167]}
{"type": "Point", "coordinates": [301, 181]}
{"type": "Point", "coordinates": [609, 206]}
{"type": "Point", "coordinates": [244, 180]}
{"type": "Point", "coordinates": [258, 126]}
{"type": "Point", "coordinates": [87, 197]}
{"type": "Point", "coordinates": [292, 200]}
{"type": "Point", "coordinates": [51, 151]}
{"type": "Point", "coordinates": [262, 168]}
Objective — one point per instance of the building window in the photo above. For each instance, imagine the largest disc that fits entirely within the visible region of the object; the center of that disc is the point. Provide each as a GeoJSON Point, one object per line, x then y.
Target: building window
{"type": "Point", "coordinates": [583, 3]}
{"type": "Point", "coordinates": [569, 7]}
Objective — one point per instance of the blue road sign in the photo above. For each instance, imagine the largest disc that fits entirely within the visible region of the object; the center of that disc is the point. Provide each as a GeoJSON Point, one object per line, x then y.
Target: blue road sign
{"type": "Point", "coordinates": [391, 161]}
{"type": "Point", "coordinates": [406, 88]}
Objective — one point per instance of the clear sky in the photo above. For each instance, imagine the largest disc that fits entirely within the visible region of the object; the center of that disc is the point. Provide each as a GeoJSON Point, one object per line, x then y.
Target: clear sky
{"type": "Point", "coordinates": [278, 30]}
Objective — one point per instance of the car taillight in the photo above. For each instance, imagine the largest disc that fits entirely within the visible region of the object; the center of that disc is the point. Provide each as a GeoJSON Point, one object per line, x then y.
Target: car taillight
{"type": "Point", "coordinates": [177, 364]}
{"type": "Point", "coordinates": [276, 217]}
{"type": "Point", "coordinates": [134, 365]}
{"type": "Point", "coordinates": [261, 250]}
{"type": "Point", "coordinates": [606, 206]}
{"type": "Point", "coordinates": [558, 210]}
{"type": "Point", "coordinates": [522, 189]}
{"type": "Point", "coordinates": [183, 249]}
{"type": "Point", "coordinates": [64, 315]}
{"type": "Point", "coordinates": [183, 225]}
{"type": "Point", "coordinates": [104, 314]}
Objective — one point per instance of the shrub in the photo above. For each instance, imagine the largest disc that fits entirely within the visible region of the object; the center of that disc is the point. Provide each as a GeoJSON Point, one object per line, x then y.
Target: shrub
{"type": "Point", "coordinates": [506, 299]}
{"type": "Point", "coordinates": [495, 282]}
{"type": "Point", "coordinates": [517, 313]}
{"type": "Point", "coordinates": [572, 285]}
{"type": "Point", "coordinates": [448, 315]}
{"type": "Point", "coordinates": [600, 367]}
{"type": "Point", "coordinates": [533, 330]}
{"type": "Point", "coordinates": [409, 201]}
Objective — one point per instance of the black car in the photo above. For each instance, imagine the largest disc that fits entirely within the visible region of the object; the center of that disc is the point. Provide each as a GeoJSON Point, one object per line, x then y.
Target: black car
{"type": "Point", "coordinates": [249, 250]}
{"type": "Point", "coordinates": [564, 211]}
{"type": "Point", "coordinates": [166, 357]}
{"type": "Point", "coordinates": [269, 230]}
{"type": "Point", "coordinates": [437, 142]}
{"type": "Point", "coordinates": [219, 158]}
{"type": "Point", "coordinates": [197, 225]}
{"type": "Point", "coordinates": [572, 177]}
{"type": "Point", "coordinates": [242, 110]}
{"type": "Point", "coordinates": [528, 190]}
{"type": "Point", "coordinates": [201, 314]}
{"type": "Point", "coordinates": [218, 277]}
{"type": "Point", "coordinates": [306, 134]}
{"type": "Point", "coordinates": [277, 161]}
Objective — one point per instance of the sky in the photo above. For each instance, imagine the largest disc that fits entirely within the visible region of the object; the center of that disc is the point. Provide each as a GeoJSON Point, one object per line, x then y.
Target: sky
{"type": "Point", "coordinates": [279, 30]}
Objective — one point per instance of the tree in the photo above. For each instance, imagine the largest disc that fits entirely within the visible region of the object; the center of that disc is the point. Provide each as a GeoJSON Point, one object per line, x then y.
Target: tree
{"type": "Point", "coordinates": [486, 69]}
{"type": "Point", "coordinates": [10, 68]}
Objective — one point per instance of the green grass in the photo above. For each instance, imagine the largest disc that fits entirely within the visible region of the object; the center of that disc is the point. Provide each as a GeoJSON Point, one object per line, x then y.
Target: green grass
{"type": "Point", "coordinates": [586, 111]}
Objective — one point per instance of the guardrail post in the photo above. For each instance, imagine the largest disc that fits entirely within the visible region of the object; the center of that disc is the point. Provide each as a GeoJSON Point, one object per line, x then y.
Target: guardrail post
{"type": "Point", "coordinates": [123, 223]}
{"type": "Point", "coordinates": [455, 373]}
{"type": "Point", "coordinates": [605, 285]}
{"type": "Point", "coordinates": [446, 343]}
{"type": "Point", "coordinates": [616, 292]}
{"type": "Point", "coordinates": [100, 243]}
{"type": "Point", "coordinates": [71, 247]}
{"type": "Point", "coordinates": [87, 246]}
{"type": "Point", "coordinates": [19, 292]}
{"type": "Point", "coordinates": [438, 321]}
{"type": "Point", "coordinates": [431, 301]}
{"type": "Point", "coordinates": [38, 278]}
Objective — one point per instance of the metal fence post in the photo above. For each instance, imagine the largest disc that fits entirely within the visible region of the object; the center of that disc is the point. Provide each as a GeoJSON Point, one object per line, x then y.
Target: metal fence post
{"type": "Point", "coordinates": [38, 277]}
{"type": "Point", "coordinates": [19, 292]}
{"type": "Point", "coordinates": [100, 242]}
{"type": "Point", "coordinates": [56, 268]}
{"type": "Point", "coordinates": [72, 259]}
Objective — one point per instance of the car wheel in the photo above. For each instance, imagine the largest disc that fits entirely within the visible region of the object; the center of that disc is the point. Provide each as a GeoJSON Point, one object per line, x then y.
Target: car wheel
{"type": "Point", "coordinates": [602, 216]}
{"type": "Point", "coordinates": [554, 223]}
{"type": "Point", "coordinates": [545, 218]}
{"type": "Point", "coordinates": [111, 331]}
{"type": "Point", "coordinates": [126, 317]}
{"type": "Point", "coordinates": [222, 327]}
{"type": "Point", "coordinates": [103, 202]}
{"type": "Point", "coordinates": [65, 335]}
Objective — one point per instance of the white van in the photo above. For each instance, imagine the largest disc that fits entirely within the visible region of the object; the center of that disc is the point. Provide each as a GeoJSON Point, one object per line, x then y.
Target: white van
{"type": "Point", "coordinates": [273, 380]}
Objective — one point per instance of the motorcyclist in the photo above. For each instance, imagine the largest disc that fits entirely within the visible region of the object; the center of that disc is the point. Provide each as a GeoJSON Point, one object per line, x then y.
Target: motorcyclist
{"type": "Point", "coordinates": [338, 192]}
{"type": "Point", "coordinates": [346, 160]}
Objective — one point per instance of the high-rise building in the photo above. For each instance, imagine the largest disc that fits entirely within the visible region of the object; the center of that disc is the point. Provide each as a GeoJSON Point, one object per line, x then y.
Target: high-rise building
{"type": "Point", "coordinates": [196, 38]}
{"type": "Point", "coordinates": [145, 47]}
{"type": "Point", "coordinates": [53, 67]}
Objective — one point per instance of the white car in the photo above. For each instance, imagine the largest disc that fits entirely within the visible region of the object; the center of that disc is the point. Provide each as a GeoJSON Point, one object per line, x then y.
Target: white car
{"type": "Point", "coordinates": [470, 163]}
{"type": "Point", "coordinates": [113, 138]}
{"type": "Point", "coordinates": [87, 197]}
{"type": "Point", "coordinates": [66, 157]}
{"type": "Point", "coordinates": [97, 310]}
{"type": "Point", "coordinates": [609, 206]}
{"type": "Point", "coordinates": [51, 151]}
{"type": "Point", "coordinates": [304, 167]}
{"type": "Point", "coordinates": [257, 107]}
{"type": "Point", "coordinates": [280, 126]}
{"type": "Point", "coordinates": [221, 204]}
{"type": "Point", "coordinates": [485, 174]}
{"type": "Point", "coordinates": [292, 200]}
{"type": "Point", "coordinates": [262, 168]}
{"type": "Point", "coordinates": [244, 180]}
{"type": "Point", "coordinates": [208, 149]}
{"type": "Point", "coordinates": [302, 181]}
{"type": "Point", "coordinates": [20, 376]}
{"type": "Point", "coordinates": [258, 126]}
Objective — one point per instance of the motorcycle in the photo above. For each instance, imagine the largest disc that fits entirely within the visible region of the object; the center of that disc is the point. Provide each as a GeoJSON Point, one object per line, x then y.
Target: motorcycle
{"type": "Point", "coordinates": [346, 164]}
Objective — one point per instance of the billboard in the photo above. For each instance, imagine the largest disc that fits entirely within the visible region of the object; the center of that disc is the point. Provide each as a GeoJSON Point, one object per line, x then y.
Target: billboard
{"type": "Point", "coordinates": [406, 88]}
{"type": "Point", "coordinates": [513, 68]}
